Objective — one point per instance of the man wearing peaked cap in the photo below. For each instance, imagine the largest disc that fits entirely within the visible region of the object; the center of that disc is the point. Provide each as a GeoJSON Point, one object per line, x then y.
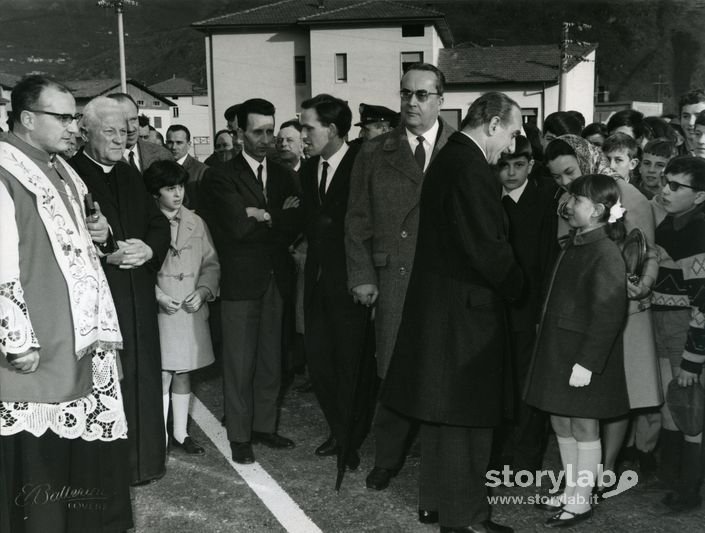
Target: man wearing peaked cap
{"type": "Point", "coordinates": [376, 120]}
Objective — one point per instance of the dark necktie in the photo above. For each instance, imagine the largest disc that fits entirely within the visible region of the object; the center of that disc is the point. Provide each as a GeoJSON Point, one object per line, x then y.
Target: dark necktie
{"type": "Point", "coordinates": [324, 179]}
{"type": "Point", "coordinates": [259, 176]}
{"type": "Point", "coordinates": [133, 163]}
{"type": "Point", "coordinates": [420, 153]}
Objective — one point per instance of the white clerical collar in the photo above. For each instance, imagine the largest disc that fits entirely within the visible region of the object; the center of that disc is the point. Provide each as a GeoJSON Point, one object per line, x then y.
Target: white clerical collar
{"type": "Point", "coordinates": [516, 193]}
{"type": "Point", "coordinates": [106, 168]}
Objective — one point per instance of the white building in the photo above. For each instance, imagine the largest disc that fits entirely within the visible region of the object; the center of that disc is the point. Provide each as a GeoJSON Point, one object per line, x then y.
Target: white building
{"type": "Point", "coordinates": [7, 83]}
{"type": "Point", "coordinates": [191, 109]}
{"type": "Point", "coordinates": [151, 104]}
{"type": "Point", "coordinates": [528, 74]}
{"type": "Point", "coordinates": [290, 50]}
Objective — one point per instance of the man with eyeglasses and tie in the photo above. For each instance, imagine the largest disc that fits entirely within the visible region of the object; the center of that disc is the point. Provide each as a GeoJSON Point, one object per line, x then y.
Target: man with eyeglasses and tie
{"type": "Point", "coordinates": [252, 211]}
{"type": "Point", "coordinates": [62, 421]}
{"type": "Point", "coordinates": [380, 235]}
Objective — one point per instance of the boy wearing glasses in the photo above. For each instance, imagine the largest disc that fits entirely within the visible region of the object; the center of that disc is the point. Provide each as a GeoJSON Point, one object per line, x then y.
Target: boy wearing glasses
{"type": "Point", "coordinates": [678, 302]}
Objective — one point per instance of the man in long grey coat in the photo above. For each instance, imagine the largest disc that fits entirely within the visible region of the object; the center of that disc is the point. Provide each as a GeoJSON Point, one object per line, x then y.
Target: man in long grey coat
{"type": "Point", "coordinates": [380, 234]}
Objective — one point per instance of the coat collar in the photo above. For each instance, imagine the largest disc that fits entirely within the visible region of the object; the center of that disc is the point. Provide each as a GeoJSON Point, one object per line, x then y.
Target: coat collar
{"type": "Point", "coordinates": [588, 237]}
{"type": "Point", "coordinates": [186, 226]}
{"type": "Point", "coordinates": [243, 172]}
{"type": "Point", "coordinates": [398, 152]}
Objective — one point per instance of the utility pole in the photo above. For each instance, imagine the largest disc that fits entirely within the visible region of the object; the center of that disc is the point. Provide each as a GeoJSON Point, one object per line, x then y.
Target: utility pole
{"type": "Point", "coordinates": [119, 6]}
{"type": "Point", "coordinates": [565, 58]}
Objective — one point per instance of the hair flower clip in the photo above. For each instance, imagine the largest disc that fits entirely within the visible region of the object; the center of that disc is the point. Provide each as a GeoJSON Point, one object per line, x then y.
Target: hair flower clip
{"type": "Point", "coordinates": [616, 212]}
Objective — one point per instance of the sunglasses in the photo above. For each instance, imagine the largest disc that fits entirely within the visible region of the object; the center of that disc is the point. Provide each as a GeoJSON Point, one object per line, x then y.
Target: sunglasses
{"type": "Point", "coordinates": [64, 118]}
{"type": "Point", "coordinates": [421, 96]}
{"type": "Point", "coordinates": [675, 185]}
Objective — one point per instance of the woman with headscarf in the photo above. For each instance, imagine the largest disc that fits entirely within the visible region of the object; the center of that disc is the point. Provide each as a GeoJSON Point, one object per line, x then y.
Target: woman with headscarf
{"type": "Point", "coordinates": [568, 157]}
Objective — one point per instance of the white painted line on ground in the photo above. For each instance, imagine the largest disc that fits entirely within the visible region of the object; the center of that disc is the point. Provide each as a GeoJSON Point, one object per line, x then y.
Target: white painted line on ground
{"type": "Point", "coordinates": [284, 509]}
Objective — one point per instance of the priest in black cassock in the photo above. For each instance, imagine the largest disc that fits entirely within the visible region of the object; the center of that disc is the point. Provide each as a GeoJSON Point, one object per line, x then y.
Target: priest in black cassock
{"type": "Point", "coordinates": [142, 236]}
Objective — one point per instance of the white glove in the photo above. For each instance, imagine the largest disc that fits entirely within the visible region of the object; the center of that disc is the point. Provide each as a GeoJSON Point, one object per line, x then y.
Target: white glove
{"type": "Point", "coordinates": [580, 377]}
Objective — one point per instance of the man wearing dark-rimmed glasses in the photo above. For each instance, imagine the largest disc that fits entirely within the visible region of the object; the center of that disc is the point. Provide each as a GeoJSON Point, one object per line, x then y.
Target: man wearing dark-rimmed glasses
{"type": "Point", "coordinates": [380, 235]}
{"type": "Point", "coordinates": [62, 422]}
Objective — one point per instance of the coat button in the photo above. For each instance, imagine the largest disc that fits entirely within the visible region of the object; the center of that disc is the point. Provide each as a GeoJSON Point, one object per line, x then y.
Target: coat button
{"type": "Point", "coordinates": [402, 271]}
{"type": "Point", "coordinates": [404, 234]}
{"type": "Point", "coordinates": [181, 277]}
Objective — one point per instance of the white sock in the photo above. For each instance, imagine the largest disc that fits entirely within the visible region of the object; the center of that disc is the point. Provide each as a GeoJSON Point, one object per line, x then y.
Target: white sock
{"type": "Point", "coordinates": [589, 456]}
{"type": "Point", "coordinates": [166, 385]}
{"type": "Point", "coordinates": [179, 405]}
{"type": "Point", "coordinates": [568, 448]}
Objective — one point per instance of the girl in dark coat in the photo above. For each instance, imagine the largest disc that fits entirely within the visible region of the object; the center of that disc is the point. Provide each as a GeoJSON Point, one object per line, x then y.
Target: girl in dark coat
{"type": "Point", "coordinates": [577, 372]}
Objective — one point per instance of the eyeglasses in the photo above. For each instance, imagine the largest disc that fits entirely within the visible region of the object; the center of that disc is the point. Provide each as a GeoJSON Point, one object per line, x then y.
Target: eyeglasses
{"type": "Point", "coordinates": [675, 185]}
{"type": "Point", "coordinates": [421, 96]}
{"type": "Point", "coordinates": [64, 118]}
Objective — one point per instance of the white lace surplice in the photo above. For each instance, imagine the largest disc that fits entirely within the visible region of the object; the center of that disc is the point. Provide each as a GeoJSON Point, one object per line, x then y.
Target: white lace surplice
{"type": "Point", "coordinates": [98, 416]}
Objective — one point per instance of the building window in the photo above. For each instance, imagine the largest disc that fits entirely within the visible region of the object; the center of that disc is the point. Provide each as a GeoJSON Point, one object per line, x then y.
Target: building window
{"type": "Point", "coordinates": [156, 103]}
{"type": "Point", "coordinates": [175, 112]}
{"type": "Point", "coordinates": [341, 68]}
{"type": "Point", "coordinates": [300, 70]}
{"type": "Point", "coordinates": [157, 122]}
{"type": "Point", "coordinates": [140, 103]}
{"type": "Point", "coordinates": [408, 59]}
{"type": "Point", "coordinates": [412, 30]}
{"type": "Point", "coordinates": [452, 117]}
{"type": "Point", "coordinates": [529, 115]}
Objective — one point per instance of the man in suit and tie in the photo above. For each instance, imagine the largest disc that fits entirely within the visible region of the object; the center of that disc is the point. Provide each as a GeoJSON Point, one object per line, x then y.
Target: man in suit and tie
{"type": "Point", "coordinates": [138, 152]}
{"type": "Point", "coordinates": [449, 365]}
{"type": "Point", "coordinates": [336, 327]}
{"type": "Point", "coordinates": [253, 213]}
{"type": "Point", "coordinates": [380, 235]}
{"type": "Point", "coordinates": [178, 142]}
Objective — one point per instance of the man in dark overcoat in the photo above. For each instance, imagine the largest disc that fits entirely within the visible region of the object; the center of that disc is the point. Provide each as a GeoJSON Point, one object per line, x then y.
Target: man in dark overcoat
{"type": "Point", "coordinates": [142, 234]}
{"type": "Point", "coordinates": [380, 235]}
{"type": "Point", "coordinates": [253, 213]}
{"type": "Point", "coordinates": [448, 366]}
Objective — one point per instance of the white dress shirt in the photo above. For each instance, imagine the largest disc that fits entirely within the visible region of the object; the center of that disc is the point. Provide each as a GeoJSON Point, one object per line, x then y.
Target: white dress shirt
{"type": "Point", "coordinates": [429, 141]}
{"type": "Point", "coordinates": [333, 164]}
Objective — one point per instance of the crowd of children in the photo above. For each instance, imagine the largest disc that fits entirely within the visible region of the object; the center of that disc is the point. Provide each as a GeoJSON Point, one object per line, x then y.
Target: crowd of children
{"type": "Point", "coordinates": [608, 343]}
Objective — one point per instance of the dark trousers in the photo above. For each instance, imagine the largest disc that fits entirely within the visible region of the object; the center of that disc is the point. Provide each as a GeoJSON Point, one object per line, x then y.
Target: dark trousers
{"type": "Point", "coordinates": [454, 461]}
{"type": "Point", "coordinates": [252, 362]}
{"type": "Point", "coordinates": [531, 424]}
{"type": "Point", "coordinates": [60, 485]}
{"type": "Point", "coordinates": [393, 434]}
{"type": "Point", "coordinates": [337, 341]}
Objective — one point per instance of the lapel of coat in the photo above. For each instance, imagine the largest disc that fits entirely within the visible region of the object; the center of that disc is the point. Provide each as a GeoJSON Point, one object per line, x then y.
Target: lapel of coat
{"type": "Point", "coordinates": [398, 154]}
{"type": "Point", "coordinates": [186, 227]}
{"type": "Point", "coordinates": [444, 132]}
{"type": "Point", "coordinates": [309, 180]}
{"type": "Point", "coordinates": [342, 173]}
{"type": "Point", "coordinates": [243, 174]}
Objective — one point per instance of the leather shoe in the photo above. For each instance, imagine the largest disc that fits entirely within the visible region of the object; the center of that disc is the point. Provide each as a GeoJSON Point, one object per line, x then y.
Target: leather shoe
{"type": "Point", "coordinates": [189, 446]}
{"type": "Point", "coordinates": [574, 518]}
{"type": "Point", "coordinates": [378, 478]}
{"type": "Point", "coordinates": [329, 447]}
{"type": "Point", "coordinates": [428, 517]}
{"type": "Point", "coordinates": [272, 440]}
{"type": "Point", "coordinates": [242, 452]}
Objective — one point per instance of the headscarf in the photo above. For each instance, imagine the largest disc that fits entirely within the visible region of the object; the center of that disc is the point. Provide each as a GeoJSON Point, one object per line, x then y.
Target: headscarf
{"type": "Point", "coordinates": [591, 159]}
